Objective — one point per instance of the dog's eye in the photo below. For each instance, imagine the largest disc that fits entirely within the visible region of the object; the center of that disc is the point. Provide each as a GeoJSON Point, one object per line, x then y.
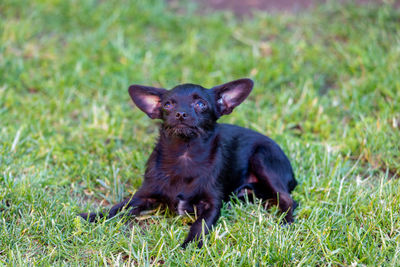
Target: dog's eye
{"type": "Point", "coordinates": [168, 105]}
{"type": "Point", "coordinates": [200, 104]}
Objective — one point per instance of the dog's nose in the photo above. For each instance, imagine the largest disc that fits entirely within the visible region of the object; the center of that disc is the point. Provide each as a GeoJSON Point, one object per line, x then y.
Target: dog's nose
{"type": "Point", "coordinates": [180, 115]}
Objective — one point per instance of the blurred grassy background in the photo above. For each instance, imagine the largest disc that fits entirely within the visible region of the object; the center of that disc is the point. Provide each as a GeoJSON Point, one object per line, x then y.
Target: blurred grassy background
{"type": "Point", "coordinates": [327, 89]}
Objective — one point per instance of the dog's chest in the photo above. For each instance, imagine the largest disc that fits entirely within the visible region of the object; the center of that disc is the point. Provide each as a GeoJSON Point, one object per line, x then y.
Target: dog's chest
{"type": "Point", "coordinates": [188, 163]}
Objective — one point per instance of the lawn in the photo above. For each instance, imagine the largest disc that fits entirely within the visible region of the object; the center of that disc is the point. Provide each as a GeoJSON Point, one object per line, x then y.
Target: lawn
{"type": "Point", "coordinates": [327, 89]}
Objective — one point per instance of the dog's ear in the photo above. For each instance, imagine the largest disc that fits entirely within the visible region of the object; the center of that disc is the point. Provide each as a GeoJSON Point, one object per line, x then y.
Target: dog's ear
{"type": "Point", "coordinates": [230, 95]}
{"type": "Point", "coordinates": [148, 99]}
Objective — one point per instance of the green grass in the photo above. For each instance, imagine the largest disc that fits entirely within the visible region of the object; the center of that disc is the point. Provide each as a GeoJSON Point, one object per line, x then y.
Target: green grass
{"type": "Point", "coordinates": [327, 89]}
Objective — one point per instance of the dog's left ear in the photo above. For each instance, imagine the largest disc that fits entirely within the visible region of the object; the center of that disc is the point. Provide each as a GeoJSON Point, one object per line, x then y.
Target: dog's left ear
{"type": "Point", "coordinates": [230, 95]}
{"type": "Point", "coordinates": [148, 99]}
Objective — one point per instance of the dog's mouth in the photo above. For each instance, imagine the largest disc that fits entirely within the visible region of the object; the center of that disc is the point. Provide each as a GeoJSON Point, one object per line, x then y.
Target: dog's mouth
{"type": "Point", "coordinates": [183, 130]}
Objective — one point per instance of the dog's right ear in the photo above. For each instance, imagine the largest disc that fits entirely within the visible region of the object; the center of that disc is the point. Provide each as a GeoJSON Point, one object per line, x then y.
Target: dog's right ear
{"type": "Point", "coordinates": [148, 99]}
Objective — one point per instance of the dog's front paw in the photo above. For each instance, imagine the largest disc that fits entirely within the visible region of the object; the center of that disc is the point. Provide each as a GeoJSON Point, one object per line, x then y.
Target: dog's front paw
{"type": "Point", "coordinates": [91, 217]}
{"type": "Point", "coordinates": [184, 245]}
{"type": "Point", "coordinates": [187, 242]}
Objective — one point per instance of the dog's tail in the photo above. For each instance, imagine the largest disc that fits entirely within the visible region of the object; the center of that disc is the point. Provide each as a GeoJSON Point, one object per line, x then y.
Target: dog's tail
{"type": "Point", "coordinates": [292, 184]}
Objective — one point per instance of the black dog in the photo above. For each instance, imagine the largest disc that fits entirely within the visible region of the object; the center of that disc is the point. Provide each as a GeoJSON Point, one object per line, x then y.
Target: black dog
{"type": "Point", "coordinates": [198, 163]}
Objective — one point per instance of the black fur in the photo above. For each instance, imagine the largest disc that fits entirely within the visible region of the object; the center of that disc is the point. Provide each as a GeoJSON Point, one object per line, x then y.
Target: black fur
{"type": "Point", "coordinates": [198, 163]}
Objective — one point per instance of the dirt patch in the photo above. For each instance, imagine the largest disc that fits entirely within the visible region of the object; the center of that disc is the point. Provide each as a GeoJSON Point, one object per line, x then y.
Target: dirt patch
{"type": "Point", "coordinates": [244, 7]}
{"type": "Point", "coordinates": [241, 7]}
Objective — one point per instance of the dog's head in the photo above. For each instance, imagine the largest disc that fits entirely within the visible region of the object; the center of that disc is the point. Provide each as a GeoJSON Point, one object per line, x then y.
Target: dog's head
{"type": "Point", "coordinates": [189, 110]}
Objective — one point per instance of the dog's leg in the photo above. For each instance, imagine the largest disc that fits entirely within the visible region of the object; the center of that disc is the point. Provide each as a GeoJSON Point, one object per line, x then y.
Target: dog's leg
{"type": "Point", "coordinates": [209, 212]}
{"type": "Point", "coordinates": [139, 202]}
{"type": "Point", "coordinates": [245, 192]}
{"type": "Point", "coordinates": [269, 172]}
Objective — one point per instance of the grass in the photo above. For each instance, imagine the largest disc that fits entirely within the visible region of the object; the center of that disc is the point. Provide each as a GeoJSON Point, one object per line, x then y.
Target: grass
{"type": "Point", "coordinates": [327, 89]}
